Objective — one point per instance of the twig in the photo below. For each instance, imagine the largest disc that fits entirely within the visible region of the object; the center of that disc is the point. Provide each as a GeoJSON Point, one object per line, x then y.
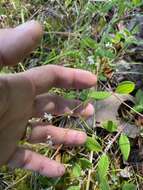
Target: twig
{"type": "Point", "coordinates": [89, 172]}
{"type": "Point", "coordinates": [22, 67]}
{"type": "Point", "coordinates": [56, 152]}
{"type": "Point", "coordinates": [36, 12]}
{"type": "Point", "coordinates": [66, 34]}
{"type": "Point", "coordinates": [91, 159]}
{"type": "Point", "coordinates": [112, 141]}
{"type": "Point", "coordinates": [128, 72]}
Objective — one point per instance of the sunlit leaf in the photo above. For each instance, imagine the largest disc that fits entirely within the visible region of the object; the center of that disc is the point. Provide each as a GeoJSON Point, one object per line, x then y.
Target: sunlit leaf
{"type": "Point", "coordinates": [92, 144]}
{"type": "Point", "coordinates": [125, 87]}
{"type": "Point", "coordinates": [99, 95]}
{"type": "Point", "coordinates": [103, 166]}
{"type": "Point", "coordinates": [118, 37]}
{"type": "Point", "coordinates": [136, 2]}
{"type": "Point", "coordinates": [110, 126]}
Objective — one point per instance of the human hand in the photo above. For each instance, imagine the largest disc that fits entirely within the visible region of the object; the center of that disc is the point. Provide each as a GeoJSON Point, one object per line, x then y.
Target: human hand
{"type": "Point", "coordinates": [24, 95]}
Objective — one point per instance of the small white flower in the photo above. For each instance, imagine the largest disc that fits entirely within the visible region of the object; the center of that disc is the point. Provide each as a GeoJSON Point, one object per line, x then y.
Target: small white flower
{"type": "Point", "coordinates": [108, 45]}
{"type": "Point", "coordinates": [47, 116]}
{"type": "Point", "coordinates": [90, 60]}
{"type": "Point", "coordinates": [49, 141]}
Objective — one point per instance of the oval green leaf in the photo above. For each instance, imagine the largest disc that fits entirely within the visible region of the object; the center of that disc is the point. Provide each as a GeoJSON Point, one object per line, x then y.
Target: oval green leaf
{"type": "Point", "coordinates": [125, 87]}
{"type": "Point", "coordinates": [103, 166]}
{"type": "Point", "coordinates": [139, 97]}
{"type": "Point", "coordinates": [104, 184]}
{"type": "Point", "coordinates": [85, 163]}
{"type": "Point", "coordinates": [92, 144]}
{"type": "Point", "coordinates": [129, 186]}
{"type": "Point", "coordinates": [99, 95]}
{"type": "Point", "coordinates": [76, 171]}
{"type": "Point", "coordinates": [124, 145]}
{"type": "Point", "coordinates": [110, 126]}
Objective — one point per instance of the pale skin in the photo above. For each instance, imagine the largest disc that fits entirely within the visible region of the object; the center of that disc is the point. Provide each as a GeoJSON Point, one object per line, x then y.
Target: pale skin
{"type": "Point", "coordinates": [25, 95]}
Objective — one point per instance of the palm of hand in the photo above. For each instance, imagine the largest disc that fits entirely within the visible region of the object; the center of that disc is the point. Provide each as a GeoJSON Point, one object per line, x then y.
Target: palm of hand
{"type": "Point", "coordinates": [24, 96]}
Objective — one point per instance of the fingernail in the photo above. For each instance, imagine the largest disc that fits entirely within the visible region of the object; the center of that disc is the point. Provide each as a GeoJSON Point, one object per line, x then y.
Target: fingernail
{"type": "Point", "coordinates": [26, 24]}
{"type": "Point", "coordinates": [33, 25]}
{"type": "Point", "coordinates": [81, 137]}
{"type": "Point", "coordinates": [31, 29]}
{"type": "Point", "coordinates": [88, 111]}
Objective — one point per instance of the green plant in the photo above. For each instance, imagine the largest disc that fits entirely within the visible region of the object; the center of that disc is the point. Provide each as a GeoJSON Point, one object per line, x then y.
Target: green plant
{"type": "Point", "coordinates": [94, 36]}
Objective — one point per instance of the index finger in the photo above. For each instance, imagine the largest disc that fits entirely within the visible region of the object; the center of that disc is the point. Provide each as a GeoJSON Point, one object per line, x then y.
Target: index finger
{"type": "Point", "coordinates": [16, 43]}
{"type": "Point", "coordinates": [45, 77]}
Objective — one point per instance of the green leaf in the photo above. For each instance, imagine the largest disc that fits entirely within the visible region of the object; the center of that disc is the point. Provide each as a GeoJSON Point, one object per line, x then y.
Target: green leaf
{"type": "Point", "coordinates": [103, 166]}
{"type": "Point", "coordinates": [129, 186]}
{"type": "Point", "coordinates": [124, 145]}
{"type": "Point", "coordinates": [68, 3]}
{"type": "Point", "coordinates": [104, 52]}
{"type": "Point", "coordinates": [99, 95]}
{"type": "Point", "coordinates": [73, 54]}
{"type": "Point", "coordinates": [70, 95]}
{"type": "Point", "coordinates": [138, 108]}
{"type": "Point", "coordinates": [85, 163]}
{"type": "Point", "coordinates": [104, 184]}
{"type": "Point", "coordinates": [74, 188]}
{"type": "Point", "coordinates": [117, 38]}
{"type": "Point", "coordinates": [136, 2]}
{"type": "Point", "coordinates": [139, 101]}
{"type": "Point", "coordinates": [76, 171]}
{"type": "Point", "coordinates": [83, 95]}
{"type": "Point", "coordinates": [92, 144]}
{"type": "Point", "coordinates": [139, 97]}
{"type": "Point", "coordinates": [46, 182]}
{"type": "Point", "coordinates": [89, 42]}
{"type": "Point", "coordinates": [110, 126]}
{"type": "Point", "coordinates": [125, 87]}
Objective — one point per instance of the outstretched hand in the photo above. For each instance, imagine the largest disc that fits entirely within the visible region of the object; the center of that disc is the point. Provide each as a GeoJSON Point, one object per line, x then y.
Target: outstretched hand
{"type": "Point", "coordinates": [24, 95]}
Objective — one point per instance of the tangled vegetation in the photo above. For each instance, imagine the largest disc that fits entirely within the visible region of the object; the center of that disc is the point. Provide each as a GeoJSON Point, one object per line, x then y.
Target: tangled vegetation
{"type": "Point", "coordinates": [106, 38]}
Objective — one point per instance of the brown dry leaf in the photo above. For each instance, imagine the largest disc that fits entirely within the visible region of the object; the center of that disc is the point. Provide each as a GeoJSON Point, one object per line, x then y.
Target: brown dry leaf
{"type": "Point", "coordinates": [131, 131]}
{"type": "Point", "coordinates": [58, 157]}
{"type": "Point", "coordinates": [107, 109]}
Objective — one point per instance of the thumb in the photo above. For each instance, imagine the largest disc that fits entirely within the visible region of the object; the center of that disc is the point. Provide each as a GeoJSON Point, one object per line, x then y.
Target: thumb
{"type": "Point", "coordinates": [16, 43]}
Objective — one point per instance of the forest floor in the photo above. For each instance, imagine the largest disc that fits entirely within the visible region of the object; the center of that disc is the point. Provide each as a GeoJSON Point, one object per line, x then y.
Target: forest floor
{"type": "Point", "coordinates": [106, 38]}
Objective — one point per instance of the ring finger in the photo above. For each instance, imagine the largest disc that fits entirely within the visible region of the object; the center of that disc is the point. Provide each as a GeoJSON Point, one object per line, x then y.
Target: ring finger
{"type": "Point", "coordinates": [57, 135]}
